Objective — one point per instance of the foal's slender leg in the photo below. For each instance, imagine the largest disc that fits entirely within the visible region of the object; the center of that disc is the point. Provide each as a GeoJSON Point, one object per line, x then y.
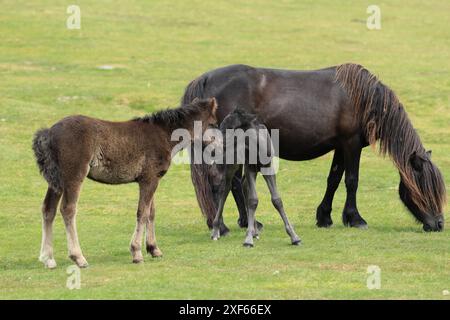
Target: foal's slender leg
{"type": "Point", "coordinates": [146, 191]}
{"type": "Point", "coordinates": [69, 210]}
{"type": "Point", "coordinates": [152, 247]}
{"type": "Point", "coordinates": [278, 204]}
{"type": "Point", "coordinates": [252, 204]}
{"type": "Point", "coordinates": [218, 219]}
{"type": "Point", "coordinates": [323, 213]}
{"type": "Point", "coordinates": [49, 208]}
{"type": "Point", "coordinates": [239, 198]}
{"type": "Point", "coordinates": [352, 155]}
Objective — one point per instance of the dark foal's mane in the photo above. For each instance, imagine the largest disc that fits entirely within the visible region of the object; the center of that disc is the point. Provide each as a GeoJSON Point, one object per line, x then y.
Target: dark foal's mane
{"type": "Point", "coordinates": [174, 118]}
{"type": "Point", "coordinates": [382, 115]}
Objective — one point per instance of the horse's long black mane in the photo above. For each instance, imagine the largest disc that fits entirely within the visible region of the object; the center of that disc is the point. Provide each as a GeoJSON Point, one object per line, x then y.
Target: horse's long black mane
{"type": "Point", "coordinates": [174, 117]}
{"type": "Point", "coordinates": [384, 119]}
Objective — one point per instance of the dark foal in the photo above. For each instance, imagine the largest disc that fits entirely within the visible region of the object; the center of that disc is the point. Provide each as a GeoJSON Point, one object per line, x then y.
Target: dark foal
{"type": "Point", "coordinates": [138, 151]}
{"type": "Point", "coordinates": [343, 108]}
{"type": "Point", "coordinates": [256, 143]}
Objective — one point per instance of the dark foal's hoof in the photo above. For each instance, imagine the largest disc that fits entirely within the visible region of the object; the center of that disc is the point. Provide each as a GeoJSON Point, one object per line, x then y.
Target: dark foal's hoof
{"type": "Point", "coordinates": [248, 245]}
{"type": "Point", "coordinates": [297, 242]}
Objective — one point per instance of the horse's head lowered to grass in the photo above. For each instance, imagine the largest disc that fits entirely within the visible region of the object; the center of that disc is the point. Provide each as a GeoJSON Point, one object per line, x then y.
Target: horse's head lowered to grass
{"type": "Point", "coordinates": [422, 187]}
{"type": "Point", "coordinates": [422, 191]}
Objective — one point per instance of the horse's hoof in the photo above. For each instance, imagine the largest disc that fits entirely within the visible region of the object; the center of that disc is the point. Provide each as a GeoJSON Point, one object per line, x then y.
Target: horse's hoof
{"type": "Point", "coordinates": [248, 245]}
{"type": "Point", "coordinates": [296, 242]}
{"type": "Point", "coordinates": [224, 230]}
{"type": "Point", "coordinates": [214, 238]}
{"type": "Point", "coordinates": [362, 226]}
{"type": "Point", "coordinates": [324, 224]}
{"type": "Point", "coordinates": [259, 225]}
{"type": "Point", "coordinates": [137, 261]}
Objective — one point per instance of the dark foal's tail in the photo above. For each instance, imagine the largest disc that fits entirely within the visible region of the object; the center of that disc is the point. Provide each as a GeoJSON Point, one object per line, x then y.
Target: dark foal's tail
{"type": "Point", "coordinates": [46, 159]}
{"type": "Point", "coordinates": [199, 172]}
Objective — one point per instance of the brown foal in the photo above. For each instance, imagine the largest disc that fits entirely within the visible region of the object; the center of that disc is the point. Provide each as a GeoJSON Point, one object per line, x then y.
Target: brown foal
{"type": "Point", "coordinates": [138, 150]}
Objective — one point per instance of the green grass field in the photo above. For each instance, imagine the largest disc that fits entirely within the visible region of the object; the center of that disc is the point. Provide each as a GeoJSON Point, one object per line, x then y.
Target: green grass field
{"type": "Point", "coordinates": [157, 47]}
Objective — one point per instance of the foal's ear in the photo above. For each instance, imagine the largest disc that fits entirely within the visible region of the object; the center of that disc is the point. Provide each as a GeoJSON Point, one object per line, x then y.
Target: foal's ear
{"type": "Point", "coordinates": [213, 105]}
{"type": "Point", "coordinates": [416, 161]}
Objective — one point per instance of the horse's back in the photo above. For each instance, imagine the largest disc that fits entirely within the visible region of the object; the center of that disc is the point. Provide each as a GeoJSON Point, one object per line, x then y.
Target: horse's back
{"type": "Point", "coordinates": [306, 106]}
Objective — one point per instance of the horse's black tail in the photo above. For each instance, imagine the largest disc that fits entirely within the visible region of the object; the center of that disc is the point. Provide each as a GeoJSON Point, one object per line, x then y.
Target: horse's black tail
{"type": "Point", "coordinates": [199, 172]}
{"type": "Point", "coordinates": [46, 159]}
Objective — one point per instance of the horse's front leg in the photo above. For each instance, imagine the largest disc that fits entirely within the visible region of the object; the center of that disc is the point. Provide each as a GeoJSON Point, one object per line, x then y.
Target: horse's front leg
{"type": "Point", "coordinates": [146, 192]}
{"type": "Point", "coordinates": [352, 155]}
{"type": "Point", "coordinates": [323, 213]}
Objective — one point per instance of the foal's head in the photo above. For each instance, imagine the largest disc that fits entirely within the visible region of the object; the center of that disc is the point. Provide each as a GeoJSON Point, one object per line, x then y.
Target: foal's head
{"type": "Point", "coordinates": [422, 190]}
{"type": "Point", "coordinates": [208, 110]}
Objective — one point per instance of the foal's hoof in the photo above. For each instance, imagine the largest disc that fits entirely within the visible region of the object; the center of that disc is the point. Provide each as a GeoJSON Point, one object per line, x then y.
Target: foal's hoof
{"type": "Point", "coordinates": [296, 242]}
{"type": "Point", "coordinates": [80, 261]}
{"type": "Point", "coordinates": [50, 264]}
{"type": "Point", "coordinates": [138, 260]}
{"type": "Point", "coordinates": [155, 252]}
{"type": "Point", "coordinates": [248, 245]}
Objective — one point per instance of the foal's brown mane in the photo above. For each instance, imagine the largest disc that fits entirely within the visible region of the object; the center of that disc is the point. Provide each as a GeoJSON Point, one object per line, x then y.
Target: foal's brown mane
{"type": "Point", "coordinates": [177, 117]}
{"type": "Point", "coordinates": [383, 118]}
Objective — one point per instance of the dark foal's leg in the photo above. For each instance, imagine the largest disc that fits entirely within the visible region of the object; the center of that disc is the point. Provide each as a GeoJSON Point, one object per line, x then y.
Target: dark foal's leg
{"type": "Point", "coordinates": [323, 213]}
{"type": "Point", "coordinates": [146, 191]}
{"type": "Point", "coordinates": [252, 204]}
{"type": "Point", "coordinates": [278, 204]}
{"type": "Point", "coordinates": [49, 208]}
{"type": "Point", "coordinates": [218, 224]}
{"type": "Point", "coordinates": [352, 155]}
{"type": "Point", "coordinates": [239, 198]}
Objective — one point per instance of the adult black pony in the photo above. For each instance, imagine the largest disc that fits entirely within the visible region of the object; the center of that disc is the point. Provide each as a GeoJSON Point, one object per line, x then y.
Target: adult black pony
{"type": "Point", "coordinates": [343, 108]}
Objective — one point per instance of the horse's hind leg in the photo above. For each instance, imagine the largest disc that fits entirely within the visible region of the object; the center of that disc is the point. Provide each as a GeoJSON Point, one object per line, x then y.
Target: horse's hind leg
{"type": "Point", "coordinates": [152, 247]}
{"type": "Point", "coordinates": [146, 192]}
{"type": "Point", "coordinates": [278, 204]}
{"type": "Point", "coordinates": [323, 213]}
{"type": "Point", "coordinates": [68, 210]}
{"type": "Point", "coordinates": [49, 208]}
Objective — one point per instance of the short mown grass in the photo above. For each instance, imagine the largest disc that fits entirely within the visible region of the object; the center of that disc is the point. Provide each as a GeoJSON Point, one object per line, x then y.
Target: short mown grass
{"type": "Point", "coordinates": [156, 48]}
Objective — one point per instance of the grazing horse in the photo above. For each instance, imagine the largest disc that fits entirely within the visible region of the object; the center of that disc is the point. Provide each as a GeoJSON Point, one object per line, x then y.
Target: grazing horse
{"type": "Point", "coordinates": [138, 150]}
{"type": "Point", "coordinates": [254, 153]}
{"type": "Point", "coordinates": [343, 108]}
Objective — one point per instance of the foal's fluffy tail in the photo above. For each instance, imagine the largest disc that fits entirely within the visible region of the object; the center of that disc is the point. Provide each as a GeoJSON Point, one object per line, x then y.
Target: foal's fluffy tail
{"type": "Point", "coordinates": [46, 159]}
